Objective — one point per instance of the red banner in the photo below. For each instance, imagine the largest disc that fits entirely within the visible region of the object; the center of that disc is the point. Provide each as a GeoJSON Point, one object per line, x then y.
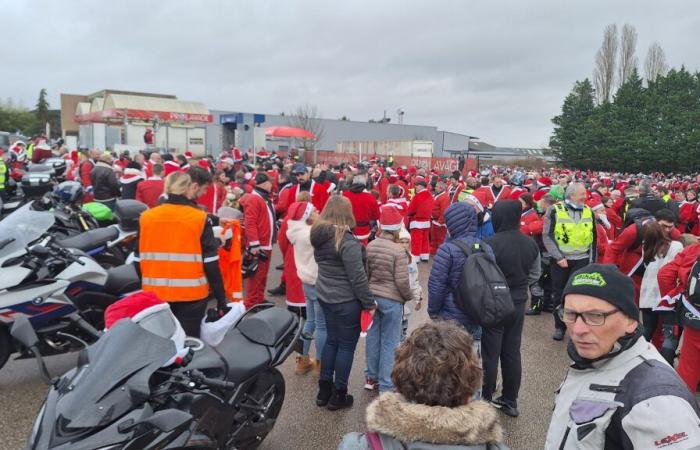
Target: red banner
{"type": "Point", "coordinates": [116, 114]}
{"type": "Point", "coordinates": [439, 165]}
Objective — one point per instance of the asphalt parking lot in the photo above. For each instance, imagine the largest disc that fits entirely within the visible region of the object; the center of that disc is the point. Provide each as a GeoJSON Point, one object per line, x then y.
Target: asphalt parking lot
{"type": "Point", "coordinates": [301, 424]}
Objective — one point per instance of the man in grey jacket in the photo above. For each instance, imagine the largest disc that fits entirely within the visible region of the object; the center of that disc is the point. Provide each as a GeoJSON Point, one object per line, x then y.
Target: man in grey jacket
{"type": "Point", "coordinates": [619, 392]}
{"type": "Point", "coordinates": [569, 235]}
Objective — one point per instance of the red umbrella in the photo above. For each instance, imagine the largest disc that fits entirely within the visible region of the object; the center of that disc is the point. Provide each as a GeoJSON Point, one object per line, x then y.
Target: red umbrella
{"type": "Point", "coordinates": [289, 132]}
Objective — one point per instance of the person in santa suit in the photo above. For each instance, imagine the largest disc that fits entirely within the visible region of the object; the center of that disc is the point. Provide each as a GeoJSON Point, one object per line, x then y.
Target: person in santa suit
{"type": "Point", "coordinates": [397, 198]}
{"type": "Point", "coordinates": [364, 208]}
{"type": "Point", "coordinates": [438, 228]}
{"type": "Point", "coordinates": [319, 195]}
{"type": "Point", "coordinates": [688, 216]}
{"type": "Point", "coordinates": [261, 233]}
{"type": "Point", "coordinates": [170, 165]}
{"type": "Point", "coordinates": [215, 195]}
{"type": "Point", "coordinates": [419, 214]}
{"type": "Point", "coordinates": [494, 192]}
{"type": "Point", "coordinates": [456, 187]}
{"type": "Point", "coordinates": [381, 184]}
{"type": "Point", "coordinates": [130, 179]}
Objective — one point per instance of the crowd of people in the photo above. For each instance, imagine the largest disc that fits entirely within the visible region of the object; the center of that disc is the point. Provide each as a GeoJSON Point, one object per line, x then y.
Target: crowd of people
{"type": "Point", "coordinates": [611, 256]}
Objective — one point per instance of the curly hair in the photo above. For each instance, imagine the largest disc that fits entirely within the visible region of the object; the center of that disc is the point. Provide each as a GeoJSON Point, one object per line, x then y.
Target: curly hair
{"type": "Point", "coordinates": [437, 365]}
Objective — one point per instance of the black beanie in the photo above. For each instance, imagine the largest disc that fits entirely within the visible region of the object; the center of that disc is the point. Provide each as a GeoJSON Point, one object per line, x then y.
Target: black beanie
{"type": "Point", "coordinates": [261, 177]}
{"type": "Point", "coordinates": [606, 282]}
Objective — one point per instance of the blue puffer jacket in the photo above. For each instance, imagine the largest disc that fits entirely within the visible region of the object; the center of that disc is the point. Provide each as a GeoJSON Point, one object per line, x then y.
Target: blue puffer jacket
{"type": "Point", "coordinates": [462, 224]}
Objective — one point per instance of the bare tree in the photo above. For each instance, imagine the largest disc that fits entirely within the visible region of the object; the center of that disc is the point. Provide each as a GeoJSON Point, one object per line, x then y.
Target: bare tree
{"type": "Point", "coordinates": [655, 64]}
{"type": "Point", "coordinates": [628, 46]}
{"type": "Point", "coordinates": [604, 71]}
{"type": "Point", "coordinates": [308, 118]}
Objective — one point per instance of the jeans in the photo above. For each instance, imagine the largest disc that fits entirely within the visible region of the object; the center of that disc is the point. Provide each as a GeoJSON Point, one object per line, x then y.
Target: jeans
{"type": "Point", "coordinates": [560, 276]}
{"type": "Point", "coordinates": [503, 343]}
{"type": "Point", "coordinates": [382, 340]}
{"type": "Point", "coordinates": [315, 321]}
{"type": "Point", "coordinates": [343, 331]}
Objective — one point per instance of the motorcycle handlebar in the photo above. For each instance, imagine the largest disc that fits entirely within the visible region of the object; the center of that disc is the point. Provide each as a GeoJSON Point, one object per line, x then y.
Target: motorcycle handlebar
{"type": "Point", "coordinates": [199, 377]}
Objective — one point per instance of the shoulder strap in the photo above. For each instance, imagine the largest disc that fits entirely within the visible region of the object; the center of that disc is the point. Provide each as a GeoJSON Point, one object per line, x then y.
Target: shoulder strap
{"type": "Point", "coordinates": [375, 442]}
{"type": "Point", "coordinates": [466, 249]}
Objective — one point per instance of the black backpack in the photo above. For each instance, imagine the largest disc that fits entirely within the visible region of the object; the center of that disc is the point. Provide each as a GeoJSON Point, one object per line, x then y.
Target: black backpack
{"type": "Point", "coordinates": [482, 292]}
{"type": "Point", "coordinates": [637, 216]}
{"type": "Point", "coordinates": [692, 295]}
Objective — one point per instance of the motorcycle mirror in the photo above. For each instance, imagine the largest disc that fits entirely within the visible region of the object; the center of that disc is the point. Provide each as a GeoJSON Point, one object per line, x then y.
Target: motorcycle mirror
{"type": "Point", "coordinates": [23, 331]}
{"type": "Point", "coordinates": [40, 251]}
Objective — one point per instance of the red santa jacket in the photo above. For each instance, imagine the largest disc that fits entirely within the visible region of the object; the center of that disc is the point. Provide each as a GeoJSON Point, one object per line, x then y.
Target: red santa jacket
{"type": "Point", "coordinates": [364, 209]}
{"type": "Point", "coordinates": [383, 187]}
{"type": "Point", "coordinates": [214, 198]}
{"type": "Point", "coordinates": [169, 166]}
{"type": "Point", "coordinates": [441, 203]}
{"type": "Point", "coordinates": [283, 200]}
{"type": "Point", "coordinates": [259, 220]}
{"type": "Point", "coordinates": [602, 244]}
{"type": "Point", "coordinates": [420, 210]}
{"type": "Point", "coordinates": [491, 199]}
{"type": "Point", "coordinates": [673, 277]}
{"type": "Point", "coordinates": [621, 253]}
{"type": "Point", "coordinates": [531, 223]}
{"type": "Point", "coordinates": [400, 203]}
{"type": "Point", "coordinates": [294, 288]}
{"type": "Point", "coordinates": [319, 196]}
{"type": "Point", "coordinates": [688, 218]}
{"type": "Point", "coordinates": [454, 191]}
{"type": "Point", "coordinates": [150, 190]}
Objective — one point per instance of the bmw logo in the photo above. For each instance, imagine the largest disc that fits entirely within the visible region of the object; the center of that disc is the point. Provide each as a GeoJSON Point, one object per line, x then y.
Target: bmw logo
{"type": "Point", "coordinates": [38, 300]}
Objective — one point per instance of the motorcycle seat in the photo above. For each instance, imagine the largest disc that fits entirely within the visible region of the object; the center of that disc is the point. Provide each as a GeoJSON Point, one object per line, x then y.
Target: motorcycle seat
{"type": "Point", "coordinates": [122, 279]}
{"type": "Point", "coordinates": [90, 239]}
{"type": "Point", "coordinates": [243, 357]}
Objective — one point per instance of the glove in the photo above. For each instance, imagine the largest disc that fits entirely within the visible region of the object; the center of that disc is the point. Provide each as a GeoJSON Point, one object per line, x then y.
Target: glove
{"type": "Point", "coordinates": [222, 307]}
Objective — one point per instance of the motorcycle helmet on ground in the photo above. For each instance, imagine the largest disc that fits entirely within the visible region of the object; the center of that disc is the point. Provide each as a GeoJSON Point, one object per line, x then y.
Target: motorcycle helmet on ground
{"type": "Point", "coordinates": [249, 265]}
{"type": "Point", "coordinates": [69, 192]}
{"type": "Point", "coordinates": [99, 211]}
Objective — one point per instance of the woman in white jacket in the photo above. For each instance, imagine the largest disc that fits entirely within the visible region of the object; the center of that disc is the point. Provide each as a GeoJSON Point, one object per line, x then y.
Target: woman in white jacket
{"type": "Point", "coordinates": [658, 250]}
{"type": "Point", "coordinates": [298, 232]}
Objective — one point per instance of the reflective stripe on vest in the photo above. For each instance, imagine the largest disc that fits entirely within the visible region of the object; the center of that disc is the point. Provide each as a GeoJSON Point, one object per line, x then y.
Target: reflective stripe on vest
{"type": "Point", "coordinates": [175, 282]}
{"type": "Point", "coordinates": [170, 252]}
{"type": "Point", "coordinates": [572, 236]}
{"type": "Point", "coordinates": [3, 174]}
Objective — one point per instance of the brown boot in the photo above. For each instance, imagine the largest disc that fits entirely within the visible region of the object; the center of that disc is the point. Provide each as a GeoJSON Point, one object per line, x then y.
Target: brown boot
{"type": "Point", "coordinates": [317, 366]}
{"type": "Point", "coordinates": [304, 365]}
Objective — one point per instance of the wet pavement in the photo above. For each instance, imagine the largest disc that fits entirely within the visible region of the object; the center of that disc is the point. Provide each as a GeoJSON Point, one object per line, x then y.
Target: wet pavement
{"type": "Point", "coordinates": [302, 425]}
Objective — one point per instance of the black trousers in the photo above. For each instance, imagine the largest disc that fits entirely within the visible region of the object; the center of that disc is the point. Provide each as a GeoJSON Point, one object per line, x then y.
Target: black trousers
{"type": "Point", "coordinates": [503, 343]}
{"type": "Point", "coordinates": [190, 315]}
{"type": "Point", "coordinates": [560, 276]}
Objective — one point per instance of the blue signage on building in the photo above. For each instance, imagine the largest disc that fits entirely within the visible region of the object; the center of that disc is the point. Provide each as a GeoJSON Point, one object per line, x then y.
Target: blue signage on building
{"type": "Point", "coordinates": [231, 118]}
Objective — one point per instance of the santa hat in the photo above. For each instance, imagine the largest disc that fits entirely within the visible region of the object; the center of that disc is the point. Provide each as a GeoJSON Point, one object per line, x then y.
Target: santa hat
{"type": "Point", "coordinates": [472, 198]}
{"type": "Point", "coordinates": [412, 170]}
{"type": "Point", "coordinates": [393, 178]}
{"type": "Point", "coordinates": [170, 167]}
{"type": "Point", "coordinates": [545, 181]}
{"type": "Point", "coordinates": [390, 219]}
{"type": "Point", "coordinates": [300, 211]}
{"type": "Point", "coordinates": [188, 155]}
{"type": "Point", "coordinates": [203, 163]}
{"type": "Point", "coordinates": [537, 196]}
{"type": "Point", "coordinates": [595, 204]}
{"type": "Point", "coordinates": [403, 233]}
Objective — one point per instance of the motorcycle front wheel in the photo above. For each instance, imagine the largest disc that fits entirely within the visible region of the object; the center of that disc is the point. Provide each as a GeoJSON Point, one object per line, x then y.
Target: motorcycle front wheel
{"type": "Point", "coordinates": [258, 410]}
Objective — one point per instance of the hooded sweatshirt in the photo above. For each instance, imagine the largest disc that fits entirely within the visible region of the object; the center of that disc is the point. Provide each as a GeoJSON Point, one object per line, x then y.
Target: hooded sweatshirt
{"type": "Point", "coordinates": [517, 255]}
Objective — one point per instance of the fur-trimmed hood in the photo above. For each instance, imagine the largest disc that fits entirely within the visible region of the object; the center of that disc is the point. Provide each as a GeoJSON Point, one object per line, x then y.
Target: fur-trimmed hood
{"type": "Point", "coordinates": [472, 424]}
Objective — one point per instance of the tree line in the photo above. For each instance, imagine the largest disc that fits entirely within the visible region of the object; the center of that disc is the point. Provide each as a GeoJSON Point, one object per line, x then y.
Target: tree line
{"type": "Point", "coordinates": [622, 122]}
{"type": "Point", "coordinates": [17, 118]}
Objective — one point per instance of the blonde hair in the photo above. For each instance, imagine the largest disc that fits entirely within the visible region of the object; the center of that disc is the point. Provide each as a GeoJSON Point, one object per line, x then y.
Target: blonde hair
{"type": "Point", "coordinates": [303, 196]}
{"type": "Point", "coordinates": [337, 212]}
{"type": "Point", "coordinates": [688, 239]}
{"type": "Point", "coordinates": [177, 183]}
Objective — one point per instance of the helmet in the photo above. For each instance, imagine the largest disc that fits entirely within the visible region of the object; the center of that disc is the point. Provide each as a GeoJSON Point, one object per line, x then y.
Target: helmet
{"type": "Point", "coordinates": [249, 265]}
{"type": "Point", "coordinates": [69, 192]}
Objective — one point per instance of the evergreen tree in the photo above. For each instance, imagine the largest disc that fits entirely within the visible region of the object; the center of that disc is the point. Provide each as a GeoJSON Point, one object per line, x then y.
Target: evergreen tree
{"type": "Point", "coordinates": [571, 136]}
{"type": "Point", "coordinates": [42, 110]}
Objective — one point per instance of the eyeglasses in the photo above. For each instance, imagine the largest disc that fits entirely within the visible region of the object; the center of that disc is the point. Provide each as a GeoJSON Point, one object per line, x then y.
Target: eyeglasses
{"type": "Point", "coordinates": [594, 319]}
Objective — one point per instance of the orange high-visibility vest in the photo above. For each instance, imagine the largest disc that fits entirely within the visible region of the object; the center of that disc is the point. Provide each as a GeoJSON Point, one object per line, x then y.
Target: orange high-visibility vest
{"type": "Point", "coordinates": [170, 251]}
{"type": "Point", "coordinates": [230, 262]}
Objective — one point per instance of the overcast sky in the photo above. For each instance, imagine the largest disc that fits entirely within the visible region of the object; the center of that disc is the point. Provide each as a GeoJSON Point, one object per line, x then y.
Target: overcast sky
{"type": "Point", "coordinates": [498, 70]}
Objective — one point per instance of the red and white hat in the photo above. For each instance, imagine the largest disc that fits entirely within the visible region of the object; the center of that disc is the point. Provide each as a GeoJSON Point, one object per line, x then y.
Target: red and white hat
{"type": "Point", "coordinates": [390, 218]}
{"type": "Point", "coordinates": [300, 210]}
{"type": "Point", "coordinates": [188, 155]}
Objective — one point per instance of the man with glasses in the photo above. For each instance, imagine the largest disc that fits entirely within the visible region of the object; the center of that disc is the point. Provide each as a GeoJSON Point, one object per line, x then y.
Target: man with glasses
{"type": "Point", "coordinates": [619, 392]}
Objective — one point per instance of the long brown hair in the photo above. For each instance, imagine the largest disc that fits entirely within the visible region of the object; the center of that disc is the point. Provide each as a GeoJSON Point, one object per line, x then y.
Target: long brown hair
{"type": "Point", "coordinates": [656, 244]}
{"type": "Point", "coordinates": [337, 212]}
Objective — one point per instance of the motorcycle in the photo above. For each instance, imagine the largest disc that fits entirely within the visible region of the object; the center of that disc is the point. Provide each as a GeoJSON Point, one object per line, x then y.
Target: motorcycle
{"type": "Point", "coordinates": [62, 291]}
{"type": "Point", "coordinates": [225, 397]}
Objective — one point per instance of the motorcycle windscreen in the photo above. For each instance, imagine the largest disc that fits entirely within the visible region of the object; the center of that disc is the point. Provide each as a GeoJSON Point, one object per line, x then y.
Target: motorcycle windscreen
{"type": "Point", "coordinates": [114, 379]}
{"type": "Point", "coordinates": [23, 227]}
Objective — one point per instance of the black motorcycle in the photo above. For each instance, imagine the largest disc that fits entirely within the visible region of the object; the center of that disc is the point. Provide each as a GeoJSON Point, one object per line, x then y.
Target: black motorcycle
{"type": "Point", "coordinates": [224, 397]}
